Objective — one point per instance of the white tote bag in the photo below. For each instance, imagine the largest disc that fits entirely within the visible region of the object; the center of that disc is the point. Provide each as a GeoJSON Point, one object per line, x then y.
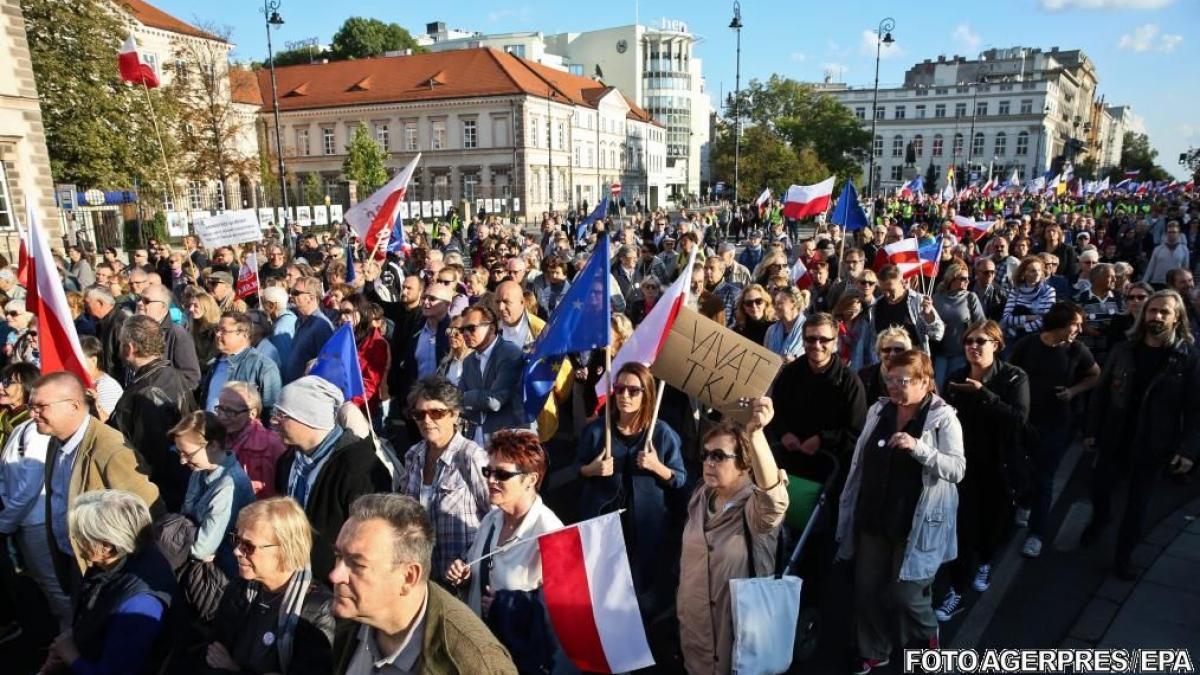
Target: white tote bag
{"type": "Point", "coordinates": [765, 610]}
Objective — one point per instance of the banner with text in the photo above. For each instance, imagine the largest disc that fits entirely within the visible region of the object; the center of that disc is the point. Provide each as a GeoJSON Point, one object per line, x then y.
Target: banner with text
{"type": "Point", "coordinates": [229, 228]}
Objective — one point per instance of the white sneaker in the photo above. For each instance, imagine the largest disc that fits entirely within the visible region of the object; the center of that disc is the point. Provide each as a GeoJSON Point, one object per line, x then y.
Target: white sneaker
{"type": "Point", "coordinates": [1021, 518]}
{"type": "Point", "coordinates": [983, 578]}
{"type": "Point", "coordinates": [1032, 547]}
{"type": "Point", "coordinates": [951, 605]}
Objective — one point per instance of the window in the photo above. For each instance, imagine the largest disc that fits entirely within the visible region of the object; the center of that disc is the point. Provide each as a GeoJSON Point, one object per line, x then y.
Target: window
{"type": "Point", "coordinates": [896, 172]}
{"type": "Point", "coordinates": [195, 195]}
{"type": "Point", "coordinates": [958, 144]}
{"type": "Point", "coordinates": [328, 144]}
{"type": "Point", "coordinates": [860, 112]}
{"type": "Point", "coordinates": [578, 154]}
{"type": "Point", "coordinates": [150, 60]}
{"type": "Point", "coordinates": [879, 112]}
{"type": "Point", "coordinates": [575, 69]}
{"type": "Point", "coordinates": [181, 71]}
{"type": "Point", "coordinates": [600, 158]}
{"type": "Point", "coordinates": [1001, 145]}
{"type": "Point", "coordinates": [562, 135]}
{"type": "Point", "coordinates": [470, 181]}
{"type": "Point", "coordinates": [878, 146]}
{"type": "Point", "coordinates": [1023, 143]}
{"type": "Point", "coordinates": [897, 146]}
{"type": "Point", "coordinates": [918, 143]}
{"type": "Point", "coordinates": [981, 108]}
{"type": "Point", "coordinates": [937, 146]}
{"type": "Point", "coordinates": [383, 136]}
{"type": "Point", "coordinates": [1026, 106]}
{"type": "Point", "coordinates": [533, 132]}
{"type": "Point", "coordinates": [921, 111]}
{"type": "Point", "coordinates": [960, 109]}
{"type": "Point", "coordinates": [1004, 108]}
{"type": "Point", "coordinates": [977, 144]}
{"type": "Point", "coordinates": [441, 186]}
{"type": "Point", "coordinates": [515, 50]}
{"type": "Point", "coordinates": [6, 219]}
{"type": "Point", "coordinates": [219, 193]}
{"type": "Point", "coordinates": [900, 113]}
{"type": "Point", "coordinates": [302, 142]}
{"type": "Point", "coordinates": [939, 110]}
{"type": "Point", "coordinates": [470, 131]}
{"type": "Point", "coordinates": [410, 137]}
{"type": "Point", "coordinates": [590, 156]}
{"type": "Point", "coordinates": [437, 136]}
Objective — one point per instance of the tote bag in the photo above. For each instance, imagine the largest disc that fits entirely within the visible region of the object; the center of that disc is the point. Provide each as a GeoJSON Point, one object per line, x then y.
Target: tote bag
{"type": "Point", "coordinates": [765, 611]}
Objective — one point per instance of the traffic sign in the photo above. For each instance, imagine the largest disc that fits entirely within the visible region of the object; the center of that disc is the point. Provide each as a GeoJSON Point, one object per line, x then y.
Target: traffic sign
{"type": "Point", "coordinates": [616, 188]}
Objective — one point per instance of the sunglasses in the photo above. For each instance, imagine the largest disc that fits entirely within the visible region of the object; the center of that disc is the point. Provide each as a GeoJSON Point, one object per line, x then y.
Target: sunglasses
{"type": "Point", "coordinates": [754, 302]}
{"type": "Point", "coordinates": [630, 390]}
{"type": "Point", "coordinates": [715, 456]}
{"type": "Point", "coordinates": [814, 339]}
{"type": "Point", "coordinates": [245, 545]}
{"type": "Point", "coordinates": [470, 327]}
{"type": "Point", "coordinates": [977, 341]}
{"type": "Point", "coordinates": [865, 282]}
{"type": "Point", "coordinates": [500, 475]}
{"type": "Point", "coordinates": [13, 313]}
{"type": "Point", "coordinates": [434, 414]}
{"type": "Point", "coordinates": [226, 410]}
{"type": "Point", "coordinates": [892, 350]}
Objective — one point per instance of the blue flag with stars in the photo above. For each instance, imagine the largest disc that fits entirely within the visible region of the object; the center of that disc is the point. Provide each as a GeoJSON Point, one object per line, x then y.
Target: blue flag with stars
{"type": "Point", "coordinates": [337, 363]}
{"type": "Point", "coordinates": [600, 213]}
{"type": "Point", "coordinates": [579, 323]}
{"type": "Point", "coordinates": [849, 212]}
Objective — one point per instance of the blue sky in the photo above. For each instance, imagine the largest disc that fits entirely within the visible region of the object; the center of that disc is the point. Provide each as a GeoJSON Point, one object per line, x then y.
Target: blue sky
{"type": "Point", "coordinates": [1145, 51]}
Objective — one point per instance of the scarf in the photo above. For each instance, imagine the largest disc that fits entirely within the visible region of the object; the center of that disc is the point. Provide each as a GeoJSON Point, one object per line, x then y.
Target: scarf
{"type": "Point", "coordinates": [306, 464]}
{"type": "Point", "coordinates": [786, 345]}
{"type": "Point", "coordinates": [289, 611]}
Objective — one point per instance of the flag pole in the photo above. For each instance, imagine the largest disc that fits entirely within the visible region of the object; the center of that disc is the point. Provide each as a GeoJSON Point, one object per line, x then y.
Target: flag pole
{"type": "Point", "coordinates": [519, 542]}
{"type": "Point", "coordinates": [170, 184]}
{"type": "Point", "coordinates": [608, 400]}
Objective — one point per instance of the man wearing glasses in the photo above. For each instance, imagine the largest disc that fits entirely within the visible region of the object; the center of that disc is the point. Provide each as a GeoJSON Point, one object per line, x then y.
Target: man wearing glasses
{"type": "Point", "coordinates": [154, 301]}
{"type": "Point", "coordinates": [855, 262]}
{"type": "Point", "coordinates": [491, 376]}
{"type": "Point", "coordinates": [238, 362]}
{"type": "Point", "coordinates": [988, 289]}
{"type": "Point", "coordinates": [313, 329]}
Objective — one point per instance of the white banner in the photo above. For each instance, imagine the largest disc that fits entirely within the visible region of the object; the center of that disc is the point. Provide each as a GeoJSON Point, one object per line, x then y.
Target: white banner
{"type": "Point", "coordinates": [229, 228]}
{"type": "Point", "coordinates": [266, 216]}
{"type": "Point", "coordinates": [176, 223]}
{"type": "Point", "coordinates": [335, 213]}
{"type": "Point", "coordinates": [437, 208]}
{"type": "Point", "coordinates": [303, 213]}
{"type": "Point", "coordinates": [426, 209]}
{"type": "Point", "coordinates": [403, 210]}
{"type": "Point", "coordinates": [321, 215]}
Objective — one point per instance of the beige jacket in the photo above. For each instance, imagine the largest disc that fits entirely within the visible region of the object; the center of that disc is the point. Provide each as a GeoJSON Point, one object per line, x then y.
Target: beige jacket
{"type": "Point", "coordinates": [714, 552]}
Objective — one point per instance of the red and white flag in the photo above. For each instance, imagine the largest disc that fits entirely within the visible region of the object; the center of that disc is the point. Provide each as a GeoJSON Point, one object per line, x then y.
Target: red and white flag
{"type": "Point", "coordinates": [807, 200]}
{"type": "Point", "coordinates": [649, 337]}
{"type": "Point", "coordinates": [970, 228]}
{"type": "Point", "coordinates": [58, 343]}
{"type": "Point", "coordinates": [763, 199]}
{"type": "Point", "coordinates": [800, 275]}
{"type": "Point", "coordinates": [247, 282]}
{"type": "Point", "coordinates": [374, 217]}
{"type": "Point", "coordinates": [905, 255]}
{"type": "Point", "coordinates": [589, 595]}
{"type": "Point", "coordinates": [23, 263]}
{"type": "Point", "coordinates": [133, 69]}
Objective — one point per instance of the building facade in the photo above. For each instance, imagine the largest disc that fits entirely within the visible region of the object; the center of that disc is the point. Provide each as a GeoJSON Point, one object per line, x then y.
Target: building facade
{"type": "Point", "coordinates": [1018, 109]}
{"type": "Point", "coordinates": [495, 130]}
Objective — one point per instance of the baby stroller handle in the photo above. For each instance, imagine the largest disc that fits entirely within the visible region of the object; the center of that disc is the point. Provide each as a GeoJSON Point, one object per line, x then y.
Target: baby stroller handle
{"type": "Point", "coordinates": [836, 468]}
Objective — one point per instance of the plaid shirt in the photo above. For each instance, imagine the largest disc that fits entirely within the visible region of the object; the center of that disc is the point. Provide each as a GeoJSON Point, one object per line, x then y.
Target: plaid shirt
{"type": "Point", "coordinates": [459, 500]}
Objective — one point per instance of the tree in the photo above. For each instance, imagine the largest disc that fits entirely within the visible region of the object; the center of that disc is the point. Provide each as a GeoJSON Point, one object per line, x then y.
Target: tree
{"type": "Point", "coordinates": [766, 161]}
{"type": "Point", "coordinates": [359, 38]}
{"type": "Point", "coordinates": [931, 179]}
{"type": "Point", "coordinates": [1086, 170]}
{"type": "Point", "coordinates": [99, 130]}
{"type": "Point", "coordinates": [301, 55]}
{"type": "Point", "coordinates": [314, 192]}
{"type": "Point", "coordinates": [1137, 155]}
{"type": "Point", "coordinates": [365, 161]}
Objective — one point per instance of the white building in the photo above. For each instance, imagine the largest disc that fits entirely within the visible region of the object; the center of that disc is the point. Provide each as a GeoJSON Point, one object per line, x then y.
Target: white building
{"type": "Point", "coordinates": [656, 67]}
{"type": "Point", "coordinates": [1017, 108]}
{"type": "Point", "coordinates": [492, 127]}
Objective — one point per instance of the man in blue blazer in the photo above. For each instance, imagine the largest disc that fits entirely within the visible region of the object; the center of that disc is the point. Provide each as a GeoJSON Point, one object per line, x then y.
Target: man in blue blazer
{"type": "Point", "coordinates": [491, 379]}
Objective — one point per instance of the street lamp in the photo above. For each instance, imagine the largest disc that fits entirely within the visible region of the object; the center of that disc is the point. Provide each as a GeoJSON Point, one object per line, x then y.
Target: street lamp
{"type": "Point", "coordinates": [550, 152]}
{"type": "Point", "coordinates": [883, 36]}
{"type": "Point", "coordinates": [271, 15]}
{"type": "Point", "coordinates": [736, 24]}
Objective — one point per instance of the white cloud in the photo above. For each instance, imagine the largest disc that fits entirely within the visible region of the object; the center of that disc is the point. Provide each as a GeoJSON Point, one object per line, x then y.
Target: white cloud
{"type": "Point", "coordinates": [867, 46]}
{"type": "Point", "coordinates": [799, 57]}
{"type": "Point", "coordinates": [1061, 5]}
{"type": "Point", "coordinates": [1146, 37]}
{"type": "Point", "coordinates": [965, 37]}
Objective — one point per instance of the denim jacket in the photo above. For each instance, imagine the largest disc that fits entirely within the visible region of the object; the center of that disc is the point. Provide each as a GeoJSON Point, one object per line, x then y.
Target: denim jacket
{"type": "Point", "coordinates": [250, 366]}
{"type": "Point", "coordinates": [932, 539]}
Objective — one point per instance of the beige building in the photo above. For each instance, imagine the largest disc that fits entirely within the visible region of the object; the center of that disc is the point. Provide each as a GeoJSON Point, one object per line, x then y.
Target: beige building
{"type": "Point", "coordinates": [497, 132]}
{"type": "Point", "coordinates": [24, 162]}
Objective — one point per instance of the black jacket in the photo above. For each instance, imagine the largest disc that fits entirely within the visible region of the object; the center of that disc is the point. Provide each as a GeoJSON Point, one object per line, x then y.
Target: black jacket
{"type": "Point", "coordinates": [181, 351]}
{"type": "Point", "coordinates": [831, 404]}
{"type": "Point", "coordinates": [1167, 418]}
{"type": "Point", "coordinates": [350, 471]}
{"type": "Point", "coordinates": [994, 421]}
{"type": "Point", "coordinates": [108, 330]}
{"type": "Point", "coordinates": [155, 400]}
{"type": "Point", "coordinates": [312, 643]}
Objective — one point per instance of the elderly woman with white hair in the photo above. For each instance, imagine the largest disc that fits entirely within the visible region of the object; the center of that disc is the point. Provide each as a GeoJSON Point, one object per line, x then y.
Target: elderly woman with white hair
{"type": "Point", "coordinates": [784, 337]}
{"type": "Point", "coordinates": [21, 342]}
{"type": "Point", "coordinates": [128, 595]}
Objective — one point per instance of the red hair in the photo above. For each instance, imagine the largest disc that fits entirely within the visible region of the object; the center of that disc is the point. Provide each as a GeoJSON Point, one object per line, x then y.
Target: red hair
{"type": "Point", "coordinates": [522, 448]}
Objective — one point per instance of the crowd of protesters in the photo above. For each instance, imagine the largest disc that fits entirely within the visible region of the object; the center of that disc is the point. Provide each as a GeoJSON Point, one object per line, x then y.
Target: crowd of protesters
{"type": "Point", "coordinates": [204, 504]}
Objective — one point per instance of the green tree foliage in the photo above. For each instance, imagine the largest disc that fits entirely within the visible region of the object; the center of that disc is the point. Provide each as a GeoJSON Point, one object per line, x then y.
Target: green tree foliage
{"type": "Point", "coordinates": [99, 130]}
{"type": "Point", "coordinates": [821, 134]}
{"type": "Point", "coordinates": [365, 162]}
{"type": "Point", "coordinates": [931, 179]}
{"type": "Point", "coordinates": [359, 38]}
{"type": "Point", "coordinates": [314, 192]}
{"type": "Point", "coordinates": [303, 55]}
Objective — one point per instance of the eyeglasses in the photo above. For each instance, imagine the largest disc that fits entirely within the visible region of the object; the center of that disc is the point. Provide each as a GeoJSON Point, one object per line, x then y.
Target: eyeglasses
{"type": "Point", "coordinates": [470, 327]}
{"type": "Point", "coordinates": [899, 381]}
{"type": "Point", "coordinates": [148, 301]}
{"type": "Point", "coordinates": [967, 279]}
{"type": "Point", "coordinates": [715, 456]}
{"type": "Point", "coordinates": [892, 350]}
{"type": "Point", "coordinates": [630, 390]}
{"type": "Point", "coordinates": [246, 546]}
{"type": "Point", "coordinates": [40, 408]}
{"type": "Point", "coordinates": [228, 331]}
{"type": "Point", "coordinates": [814, 339]}
{"type": "Point", "coordinates": [754, 302]}
{"type": "Point", "coordinates": [866, 282]}
{"type": "Point", "coordinates": [434, 414]}
{"type": "Point", "coordinates": [13, 313]}
{"type": "Point", "coordinates": [500, 475]}
{"type": "Point", "coordinates": [977, 341]}
{"type": "Point", "coordinates": [226, 410]}
{"type": "Point", "coordinates": [295, 294]}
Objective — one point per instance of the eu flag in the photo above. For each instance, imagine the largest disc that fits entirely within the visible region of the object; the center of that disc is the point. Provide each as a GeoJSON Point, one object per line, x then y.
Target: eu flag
{"type": "Point", "coordinates": [337, 363]}
{"type": "Point", "coordinates": [597, 215]}
{"type": "Point", "coordinates": [579, 323]}
{"type": "Point", "coordinates": [849, 213]}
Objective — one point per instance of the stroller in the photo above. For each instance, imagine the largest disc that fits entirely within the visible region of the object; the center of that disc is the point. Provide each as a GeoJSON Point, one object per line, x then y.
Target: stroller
{"type": "Point", "coordinates": [808, 501]}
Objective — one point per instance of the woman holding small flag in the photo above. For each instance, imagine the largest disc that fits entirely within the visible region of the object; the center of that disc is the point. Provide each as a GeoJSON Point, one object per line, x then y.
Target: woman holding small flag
{"type": "Point", "coordinates": [731, 532]}
{"type": "Point", "coordinates": [374, 354]}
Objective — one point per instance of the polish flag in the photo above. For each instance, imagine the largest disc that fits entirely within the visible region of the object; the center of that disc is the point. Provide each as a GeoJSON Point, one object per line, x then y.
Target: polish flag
{"type": "Point", "coordinates": [988, 187]}
{"type": "Point", "coordinates": [58, 342]}
{"type": "Point", "coordinates": [375, 216]}
{"type": "Point", "coordinates": [133, 69]}
{"type": "Point", "coordinates": [762, 200]}
{"type": "Point", "coordinates": [800, 275]}
{"type": "Point", "coordinates": [905, 255]}
{"type": "Point", "coordinates": [647, 340]}
{"type": "Point", "coordinates": [970, 228]}
{"type": "Point", "coordinates": [589, 595]}
{"type": "Point", "coordinates": [807, 200]}
{"type": "Point", "coordinates": [23, 263]}
{"type": "Point", "coordinates": [247, 283]}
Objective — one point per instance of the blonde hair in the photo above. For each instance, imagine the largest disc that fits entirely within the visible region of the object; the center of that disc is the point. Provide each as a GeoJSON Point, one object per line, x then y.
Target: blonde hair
{"type": "Point", "coordinates": [622, 328]}
{"type": "Point", "coordinates": [210, 311]}
{"type": "Point", "coordinates": [117, 518]}
{"type": "Point", "coordinates": [249, 394]}
{"type": "Point", "coordinates": [890, 333]}
{"type": "Point", "coordinates": [293, 533]}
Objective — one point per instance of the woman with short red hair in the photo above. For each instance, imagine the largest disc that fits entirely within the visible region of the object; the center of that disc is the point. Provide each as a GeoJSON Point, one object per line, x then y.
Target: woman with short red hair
{"type": "Point", "coordinates": [503, 589]}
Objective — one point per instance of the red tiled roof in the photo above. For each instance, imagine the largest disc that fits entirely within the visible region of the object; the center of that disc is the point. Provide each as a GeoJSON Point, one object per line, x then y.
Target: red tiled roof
{"type": "Point", "coordinates": [154, 17]}
{"type": "Point", "coordinates": [243, 87]}
{"type": "Point", "coordinates": [430, 76]}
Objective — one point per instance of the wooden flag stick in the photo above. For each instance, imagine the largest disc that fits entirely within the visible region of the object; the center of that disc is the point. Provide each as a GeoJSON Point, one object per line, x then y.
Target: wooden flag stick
{"type": "Point", "coordinates": [533, 539]}
{"type": "Point", "coordinates": [608, 401]}
{"type": "Point", "coordinates": [170, 184]}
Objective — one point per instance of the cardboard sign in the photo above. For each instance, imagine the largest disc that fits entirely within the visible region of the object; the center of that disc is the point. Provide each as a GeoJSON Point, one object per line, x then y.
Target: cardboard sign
{"type": "Point", "coordinates": [229, 228]}
{"type": "Point", "coordinates": [716, 365]}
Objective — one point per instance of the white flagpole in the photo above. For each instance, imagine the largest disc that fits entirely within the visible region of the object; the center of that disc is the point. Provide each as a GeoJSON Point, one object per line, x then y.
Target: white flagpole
{"type": "Point", "coordinates": [533, 539]}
